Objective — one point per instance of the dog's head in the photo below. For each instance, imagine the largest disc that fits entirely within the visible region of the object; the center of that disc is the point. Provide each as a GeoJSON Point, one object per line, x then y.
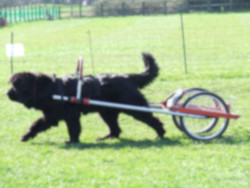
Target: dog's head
{"type": "Point", "coordinates": [27, 88]}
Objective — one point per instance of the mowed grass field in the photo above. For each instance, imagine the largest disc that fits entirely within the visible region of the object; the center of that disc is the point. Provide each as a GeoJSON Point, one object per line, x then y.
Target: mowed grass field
{"type": "Point", "coordinates": [218, 59]}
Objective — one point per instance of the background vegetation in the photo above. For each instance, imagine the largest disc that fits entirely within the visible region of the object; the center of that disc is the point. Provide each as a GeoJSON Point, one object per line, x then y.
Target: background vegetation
{"type": "Point", "coordinates": [218, 60]}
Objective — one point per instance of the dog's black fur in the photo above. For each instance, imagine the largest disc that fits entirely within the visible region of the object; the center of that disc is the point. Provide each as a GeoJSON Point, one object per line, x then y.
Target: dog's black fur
{"type": "Point", "coordinates": [35, 91]}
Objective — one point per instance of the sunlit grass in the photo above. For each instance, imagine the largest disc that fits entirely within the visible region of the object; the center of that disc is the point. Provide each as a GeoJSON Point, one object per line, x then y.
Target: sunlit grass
{"type": "Point", "coordinates": [218, 60]}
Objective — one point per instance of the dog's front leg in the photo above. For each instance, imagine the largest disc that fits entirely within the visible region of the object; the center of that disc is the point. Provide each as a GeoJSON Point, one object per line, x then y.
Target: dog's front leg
{"type": "Point", "coordinates": [74, 127]}
{"type": "Point", "coordinates": [39, 125]}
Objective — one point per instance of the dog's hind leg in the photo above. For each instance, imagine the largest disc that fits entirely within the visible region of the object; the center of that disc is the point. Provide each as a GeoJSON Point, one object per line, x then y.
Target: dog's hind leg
{"type": "Point", "coordinates": [111, 119]}
{"type": "Point", "coordinates": [39, 125]}
{"type": "Point", "coordinates": [137, 99]}
{"type": "Point", "coordinates": [148, 118]}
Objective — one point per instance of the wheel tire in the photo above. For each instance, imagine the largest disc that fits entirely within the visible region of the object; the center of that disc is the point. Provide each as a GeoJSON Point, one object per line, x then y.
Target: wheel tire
{"type": "Point", "coordinates": [191, 92]}
{"type": "Point", "coordinates": [210, 131]}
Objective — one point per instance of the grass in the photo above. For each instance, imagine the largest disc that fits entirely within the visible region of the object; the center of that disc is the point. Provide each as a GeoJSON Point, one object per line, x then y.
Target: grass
{"type": "Point", "coordinates": [218, 60]}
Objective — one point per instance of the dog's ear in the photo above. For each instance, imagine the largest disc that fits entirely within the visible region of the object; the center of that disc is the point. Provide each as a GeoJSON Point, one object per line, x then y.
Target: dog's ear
{"type": "Point", "coordinates": [22, 77]}
{"type": "Point", "coordinates": [43, 81]}
{"type": "Point", "coordinates": [44, 85]}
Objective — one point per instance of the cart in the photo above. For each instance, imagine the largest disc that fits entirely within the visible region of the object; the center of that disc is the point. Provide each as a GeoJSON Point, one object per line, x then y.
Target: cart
{"type": "Point", "coordinates": [199, 113]}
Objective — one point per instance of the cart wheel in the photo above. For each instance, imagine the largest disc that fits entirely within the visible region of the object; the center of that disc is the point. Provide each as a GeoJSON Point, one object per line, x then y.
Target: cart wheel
{"type": "Point", "coordinates": [210, 127]}
{"type": "Point", "coordinates": [187, 93]}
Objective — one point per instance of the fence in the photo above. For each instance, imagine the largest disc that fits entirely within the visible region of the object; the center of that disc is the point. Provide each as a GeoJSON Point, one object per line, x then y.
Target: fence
{"type": "Point", "coordinates": [29, 13]}
{"type": "Point", "coordinates": [137, 8]}
{"type": "Point", "coordinates": [152, 7]}
{"type": "Point", "coordinates": [218, 5]}
{"type": "Point", "coordinates": [74, 10]}
{"type": "Point", "coordinates": [41, 12]}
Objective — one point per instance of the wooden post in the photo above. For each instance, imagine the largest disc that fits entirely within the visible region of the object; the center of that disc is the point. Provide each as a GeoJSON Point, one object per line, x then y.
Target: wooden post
{"type": "Point", "coordinates": [209, 6]}
{"type": "Point", "coordinates": [59, 12]}
{"type": "Point", "coordinates": [40, 12]}
{"type": "Point", "coordinates": [15, 14]}
{"type": "Point", "coordinates": [101, 10]}
{"type": "Point", "coordinates": [51, 12]}
{"type": "Point", "coordinates": [165, 10]}
{"type": "Point", "coordinates": [123, 9]}
{"type": "Point", "coordinates": [37, 13]}
{"type": "Point", "coordinates": [20, 13]}
{"type": "Point", "coordinates": [71, 10]}
{"type": "Point", "coordinates": [23, 13]}
{"type": "Point", "coordinates": [187, 5]}
{"type": "Point", "coordinates": [28, 13]}
{"type": "Point", "coordinates": [5, 14]}
{"type": "Point", "coordinates": [80, 10]}
{"type": "Point", "coordinates": [10, 17]}
{"type": "Point", "coordinates": [231, 5]}
{"type": "Point", "coordinates": [31, 13]}
{"type": "Point", "coordinates": [143, 8]}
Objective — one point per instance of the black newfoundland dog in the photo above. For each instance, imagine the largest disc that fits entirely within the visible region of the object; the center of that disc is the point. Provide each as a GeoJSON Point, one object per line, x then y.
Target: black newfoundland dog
{"type": "Point", "coordinates": [36, 90]}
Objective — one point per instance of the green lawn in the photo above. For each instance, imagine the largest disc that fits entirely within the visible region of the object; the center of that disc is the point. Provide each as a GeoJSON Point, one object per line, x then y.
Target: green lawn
{"type": "Point", "coordinates": [218, 58]}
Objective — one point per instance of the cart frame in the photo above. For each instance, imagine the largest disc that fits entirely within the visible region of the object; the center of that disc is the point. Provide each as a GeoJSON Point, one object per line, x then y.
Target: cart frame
{"type": "Point", "coordinates": [171, 106]}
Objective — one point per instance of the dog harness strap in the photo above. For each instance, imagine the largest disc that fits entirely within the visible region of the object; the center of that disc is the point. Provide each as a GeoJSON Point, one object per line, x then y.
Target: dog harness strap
{"type": "Point", "coordinates": [60, 89]}
{"type": "Point", "coordinates": [35, 90]}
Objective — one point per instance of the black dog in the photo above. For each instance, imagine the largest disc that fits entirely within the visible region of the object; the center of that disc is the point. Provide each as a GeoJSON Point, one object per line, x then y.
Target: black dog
{"type": "Point", "coordinates": [35, 91]}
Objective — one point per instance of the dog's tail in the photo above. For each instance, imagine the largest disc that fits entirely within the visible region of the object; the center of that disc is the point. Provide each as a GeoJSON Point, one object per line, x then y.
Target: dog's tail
{"type": "Point", "coordinates": [149, 74]}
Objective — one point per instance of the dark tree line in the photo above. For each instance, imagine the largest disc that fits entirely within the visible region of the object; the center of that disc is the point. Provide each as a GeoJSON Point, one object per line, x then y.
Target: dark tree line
{"type": "Point", "coordinates": [10, 3]}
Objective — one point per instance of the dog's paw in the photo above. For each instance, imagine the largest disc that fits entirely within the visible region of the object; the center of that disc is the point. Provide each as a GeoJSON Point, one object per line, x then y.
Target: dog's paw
{"type": "Point", "coordinates": [159, 138]}
{"type": "Point", "coordinates": [108, 136]}
{"type": "Point", "coordinates": [25, 138]}
{"type": "Point", "coordinates": [71, 142]}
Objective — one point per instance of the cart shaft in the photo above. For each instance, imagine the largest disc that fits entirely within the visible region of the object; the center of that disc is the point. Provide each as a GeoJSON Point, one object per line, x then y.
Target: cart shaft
{"type": "Point", "coordinates": [86, 101]}
{"type": "Point", "coordinates": [208, 113]}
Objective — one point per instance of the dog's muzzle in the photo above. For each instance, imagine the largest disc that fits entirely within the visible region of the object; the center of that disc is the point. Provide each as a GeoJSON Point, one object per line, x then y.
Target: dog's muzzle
{"type": "Point", "coordinates": [12, 94]}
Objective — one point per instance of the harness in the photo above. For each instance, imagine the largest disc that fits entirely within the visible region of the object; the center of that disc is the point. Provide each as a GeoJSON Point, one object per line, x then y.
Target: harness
{"type": "Point", "coordinates": [93, 91]}
{"type": "Point", "coordinates": [59, 87]}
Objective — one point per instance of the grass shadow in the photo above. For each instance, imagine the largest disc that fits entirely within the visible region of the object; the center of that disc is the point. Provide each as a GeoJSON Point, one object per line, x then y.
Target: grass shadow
{"type": "Point", "coordinates": [225, 140]}
{"type": "Point", "coordinates": [231, 140]}
{"type": "Point", "coordinates": [146, 143]}
{"type": "Point", "coordinates": [123, 143]}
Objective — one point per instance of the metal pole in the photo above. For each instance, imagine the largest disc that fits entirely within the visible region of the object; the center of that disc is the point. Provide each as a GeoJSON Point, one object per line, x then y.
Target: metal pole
{"type": "Point", "coordinates": [183, 41]}
{"type": "Point", "coordinates": [165, 7]}
{"type": "Point", "coordinates": [102, 10]}
{"type": "Point", "coordinates": [91, 52]}
{"type": "Point", "coordinates": [87, 101]}
{"type": "Point", "coordinates": [71, 10]}
{"type": "Point", "coordinates": [80, 10]}
{"type": "Point", "coordinates": [12, 52]}
{"type": "Point", "coordinates": [79, 82]}
{"type": "Point", "coordinates": [231, 5]}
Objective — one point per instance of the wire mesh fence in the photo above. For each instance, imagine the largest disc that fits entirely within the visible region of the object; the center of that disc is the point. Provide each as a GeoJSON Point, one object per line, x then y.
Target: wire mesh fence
{"type": "Point", "coordinates": [29, 13]}
{"type": "Point", "coordinates": [217, 48]}
{"type": "Point", "coordinates": [213, 44]}
{"type": "Point", "coordinates": [117, 8]}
